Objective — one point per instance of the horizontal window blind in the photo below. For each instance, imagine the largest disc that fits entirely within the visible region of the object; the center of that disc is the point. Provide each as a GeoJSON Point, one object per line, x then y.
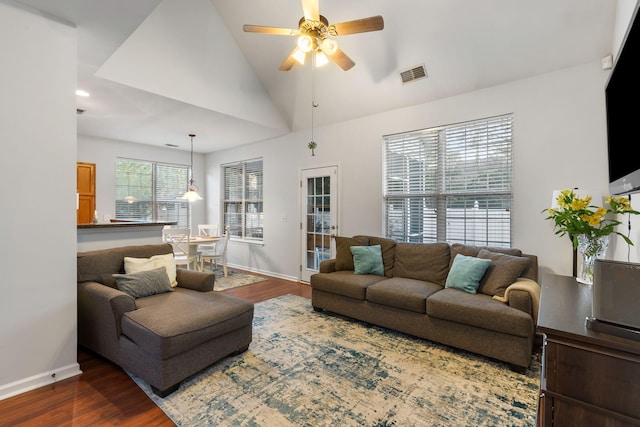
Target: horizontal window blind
{"type": "Point", "coordinates": [450, 183]}
{"type": "Point", "coordinates": [243, 199]}
{"type": "Point", "coordinates": [151, 191]}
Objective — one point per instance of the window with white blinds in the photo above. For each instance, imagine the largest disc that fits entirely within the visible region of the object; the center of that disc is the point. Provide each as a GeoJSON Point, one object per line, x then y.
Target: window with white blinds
{"type": "Point", "coordinates": [450, 184]}
{"type": "Point", "coordinates": [242, 205]}
{"type": "Point", "coordinates": [151, 191]}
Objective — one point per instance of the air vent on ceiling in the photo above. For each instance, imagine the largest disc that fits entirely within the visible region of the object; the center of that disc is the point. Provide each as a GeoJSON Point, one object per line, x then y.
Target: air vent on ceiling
{"type": "Point", "coordinates": [79, 111]}
{"type": "Point", "coordinates": [413, 74]}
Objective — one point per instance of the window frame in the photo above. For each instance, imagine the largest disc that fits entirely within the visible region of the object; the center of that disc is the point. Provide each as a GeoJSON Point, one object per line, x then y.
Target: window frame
{"type": "Point", "coordinates": [439, 186]}
{"type": "Point", "coordinates": [155, 195]}
{"type": "Point", "coordinates": [242, 204]}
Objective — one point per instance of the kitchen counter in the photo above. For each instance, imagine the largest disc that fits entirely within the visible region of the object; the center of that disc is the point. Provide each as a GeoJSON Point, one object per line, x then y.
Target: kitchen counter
{"type": "Point", "coordinates": [115, 234]}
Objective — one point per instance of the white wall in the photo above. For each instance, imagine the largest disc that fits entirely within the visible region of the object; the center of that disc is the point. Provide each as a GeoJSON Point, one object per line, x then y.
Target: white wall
{"type": "Point", "coordinates": [103, 152]}
{"type": "Point", "coordinates": [559, 142]}
{"type": "Point", "coordinates": [38, 331]}
{"type": "Point", "coordinates": [624, 13]}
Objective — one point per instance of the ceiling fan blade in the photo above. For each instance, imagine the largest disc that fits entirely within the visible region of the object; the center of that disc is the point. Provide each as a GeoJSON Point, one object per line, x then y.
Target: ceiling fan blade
{"type": "Point", "coordinates": [341, 58]}
{"type": "Point", "coordinates": [374, 23]}
{"type": "Point", "coordinates": [289, 62]}
{"type": "Point", "coordinates": [270, 30]}
{"type": "Point", "coordinates": [311, 10]}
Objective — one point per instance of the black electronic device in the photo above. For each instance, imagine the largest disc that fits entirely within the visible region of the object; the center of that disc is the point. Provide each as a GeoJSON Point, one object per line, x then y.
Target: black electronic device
{"type": "Point", "coordinates": [622, 93]}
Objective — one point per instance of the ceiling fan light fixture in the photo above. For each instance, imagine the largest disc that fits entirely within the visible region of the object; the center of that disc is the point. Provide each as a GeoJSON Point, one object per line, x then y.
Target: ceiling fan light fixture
{"type": "Point", "coordinates": [321, 59]}
{"type": "Point", "coordinates": [299, 56]}
{"type": "Point", "coordinates": [313, 35]}
{"type": "Point", "coordinates": [329, 46]}
{"type": "Point", "coordinates": [305, 43]}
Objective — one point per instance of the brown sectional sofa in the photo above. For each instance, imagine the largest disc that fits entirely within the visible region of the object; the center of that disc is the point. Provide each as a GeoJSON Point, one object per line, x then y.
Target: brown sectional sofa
{"type": "Point", "coordinates": [165, 337]}
{"type": "Point", "coordinates": [412, 297]}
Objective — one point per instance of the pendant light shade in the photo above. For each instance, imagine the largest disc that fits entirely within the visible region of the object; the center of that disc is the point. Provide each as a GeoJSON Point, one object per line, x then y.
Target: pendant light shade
{"type": "Point", "coordinates": [192, 189]}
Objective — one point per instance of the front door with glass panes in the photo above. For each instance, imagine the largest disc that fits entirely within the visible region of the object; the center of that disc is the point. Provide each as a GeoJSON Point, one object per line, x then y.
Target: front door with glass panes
{"type": "Point", "coordinates": [319, 218]}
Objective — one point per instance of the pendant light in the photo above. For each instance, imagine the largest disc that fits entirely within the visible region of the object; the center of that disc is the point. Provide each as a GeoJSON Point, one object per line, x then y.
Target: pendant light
{"type": "Point", "coordinates": [192, 189]}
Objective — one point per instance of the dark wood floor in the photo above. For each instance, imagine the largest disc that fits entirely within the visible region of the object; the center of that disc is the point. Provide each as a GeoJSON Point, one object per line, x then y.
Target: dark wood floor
{"type": "Point", "coordinates": [104, 395]}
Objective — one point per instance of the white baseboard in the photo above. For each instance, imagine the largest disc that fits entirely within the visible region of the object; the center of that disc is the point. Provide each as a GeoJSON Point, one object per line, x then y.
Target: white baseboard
{"type": "Point", "coordinates": [39, 380]}
{"type": "Point", "coordinates": [266, 273]}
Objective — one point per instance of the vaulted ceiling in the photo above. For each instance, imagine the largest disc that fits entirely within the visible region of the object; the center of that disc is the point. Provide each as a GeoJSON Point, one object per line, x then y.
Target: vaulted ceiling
{"type": "Point", "coordinates": [158, 70]}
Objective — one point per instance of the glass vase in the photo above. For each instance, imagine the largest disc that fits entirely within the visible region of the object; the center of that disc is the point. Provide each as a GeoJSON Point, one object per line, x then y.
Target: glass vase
{"type": "Point", "coordinates": [590, 248]}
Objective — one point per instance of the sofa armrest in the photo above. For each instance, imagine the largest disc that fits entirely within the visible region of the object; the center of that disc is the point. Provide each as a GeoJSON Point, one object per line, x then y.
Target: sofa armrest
{"type": "Point", "coordinates": [100, 311]}
{"type": "Point", "coordinates": [328, 266]}
{"type": "Point", "coordinates": [202, 281]}
{"type": "Point", "coordinates": [524, 295]}
{"type": "Point", "coordinates": [522, 301]}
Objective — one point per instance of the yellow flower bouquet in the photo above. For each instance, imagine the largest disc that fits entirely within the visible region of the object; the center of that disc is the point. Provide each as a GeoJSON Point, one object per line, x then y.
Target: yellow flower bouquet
{"type": "Point", "coordinates": [576, 216]}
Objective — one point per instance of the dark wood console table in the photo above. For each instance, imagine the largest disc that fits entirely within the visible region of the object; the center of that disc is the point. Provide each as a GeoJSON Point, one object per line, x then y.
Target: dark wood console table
{"type": "Point", "coordinates": [588, 378]}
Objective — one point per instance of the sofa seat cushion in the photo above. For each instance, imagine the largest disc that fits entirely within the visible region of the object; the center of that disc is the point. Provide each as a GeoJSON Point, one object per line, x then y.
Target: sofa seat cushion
{"type": "Point", "coordinates": [169, 324]}
{"type": "Point", "coordinates": [402, 293]}
{"type": "Point", "coordinates": [479, 310]}
{"type": "Point", "coordinates": [344, 283]}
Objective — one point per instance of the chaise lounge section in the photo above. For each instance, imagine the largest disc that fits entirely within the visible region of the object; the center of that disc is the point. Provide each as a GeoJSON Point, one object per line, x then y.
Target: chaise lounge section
{"type": "Point", "coordinates": [410, 294]}
{"type": "Point", "coordinates": [166, 336]}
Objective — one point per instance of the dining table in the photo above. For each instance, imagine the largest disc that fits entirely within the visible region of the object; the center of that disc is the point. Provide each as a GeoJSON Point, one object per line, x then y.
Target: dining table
{"type": "Point", "coordinates": [197, 240]}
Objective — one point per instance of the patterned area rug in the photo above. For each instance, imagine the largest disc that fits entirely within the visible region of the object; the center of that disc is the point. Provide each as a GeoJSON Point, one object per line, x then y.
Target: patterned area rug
{"type": "Point", "coordinates": [233, 279]}
{"type": "Point", "coordinates": [315, 369]}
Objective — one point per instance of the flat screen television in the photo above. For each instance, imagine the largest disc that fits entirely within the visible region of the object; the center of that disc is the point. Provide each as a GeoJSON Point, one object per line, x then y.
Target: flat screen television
{"type": "Point", "coordinates": [622, 94]}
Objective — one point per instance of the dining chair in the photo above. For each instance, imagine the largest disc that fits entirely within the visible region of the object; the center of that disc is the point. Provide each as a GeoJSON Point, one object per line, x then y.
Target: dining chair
{"type": "Point", "coordinates": [179, 239]}
{"type": "Point", "coordinates": [207, 230]}
{"type": "Point", "coordinates": [218, 255]}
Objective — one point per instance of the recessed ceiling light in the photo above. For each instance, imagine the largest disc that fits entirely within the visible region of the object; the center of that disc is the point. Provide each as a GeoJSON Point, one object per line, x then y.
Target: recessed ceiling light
{"type": "Point", "coordinates": [171, 145]}
{"type": "Point", "coordinates": [81, 92]}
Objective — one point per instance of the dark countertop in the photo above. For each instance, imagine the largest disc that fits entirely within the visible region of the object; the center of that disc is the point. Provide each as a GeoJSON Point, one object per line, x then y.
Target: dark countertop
{"type": "Point", "coordinates": [123, 224]}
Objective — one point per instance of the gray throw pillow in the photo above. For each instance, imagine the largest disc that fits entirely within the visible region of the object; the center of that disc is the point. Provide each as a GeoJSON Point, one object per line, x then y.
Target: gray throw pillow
{"type": "Point", "coordinates": [503, 271]}
{"type": "Point", "coordinates": [144, 283]}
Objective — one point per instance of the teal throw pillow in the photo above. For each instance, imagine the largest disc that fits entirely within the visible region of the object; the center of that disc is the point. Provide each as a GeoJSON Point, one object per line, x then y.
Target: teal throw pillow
{"type": "Point", "coordinates": [367, 260]}
{"type": "Point", "coordinates": [466, 272]}
{"type": "Point", "coordinates": [144, 283]}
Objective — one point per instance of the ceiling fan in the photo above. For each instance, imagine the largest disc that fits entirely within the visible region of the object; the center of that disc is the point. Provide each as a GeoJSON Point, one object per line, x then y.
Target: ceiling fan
{"type": "Point", "coordinates": [314, 34]}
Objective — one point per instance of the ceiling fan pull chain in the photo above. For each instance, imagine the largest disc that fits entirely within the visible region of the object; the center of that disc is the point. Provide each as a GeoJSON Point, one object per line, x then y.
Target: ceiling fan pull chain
{"type": "Point", "coordinates": [312, 144]}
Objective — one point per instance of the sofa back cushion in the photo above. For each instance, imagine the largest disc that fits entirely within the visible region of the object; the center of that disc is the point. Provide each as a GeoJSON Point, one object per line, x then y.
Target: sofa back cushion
{"type": "Point", "coordinates": [100, 265]}
{"type": "Point", "coordinates": [388, 253]}
{"type": "Point", "coordinates": [503, 271]}
{"type": "Point", "coordinates": [530, 272]}
{"type": "Point", "coordinates": [469, 250]}
{"type": "Point", "coordinates": [422, 261]}
{"type": "Point", "coordinates": [344, 257]}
